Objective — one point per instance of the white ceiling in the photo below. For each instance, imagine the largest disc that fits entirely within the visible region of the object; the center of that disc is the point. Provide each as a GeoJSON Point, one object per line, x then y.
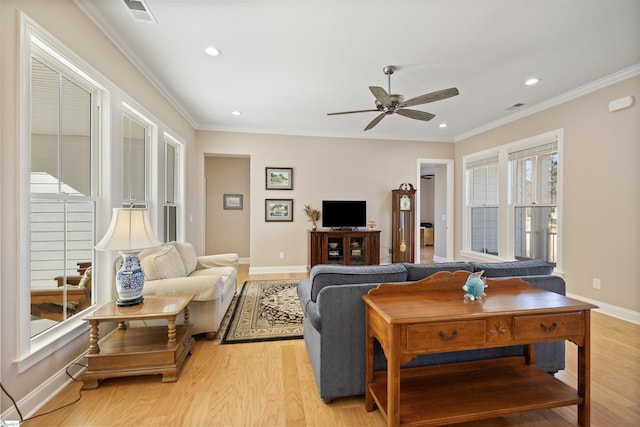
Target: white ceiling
{"type": "Point", "coordinates": [286, 63]}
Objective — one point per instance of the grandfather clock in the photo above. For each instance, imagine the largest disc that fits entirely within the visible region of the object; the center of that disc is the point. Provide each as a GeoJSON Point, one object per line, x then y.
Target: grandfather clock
{"type": "Point", "coordinates": [403, 223]}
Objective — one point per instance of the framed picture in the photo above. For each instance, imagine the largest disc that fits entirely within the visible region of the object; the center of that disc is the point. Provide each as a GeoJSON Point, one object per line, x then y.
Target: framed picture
{"type": "Point", "coordinates": [278, 210]}
{"type": "Point", "coordinates": [232, 201]}
{"type": "Point", "coordinates": [279, 178]}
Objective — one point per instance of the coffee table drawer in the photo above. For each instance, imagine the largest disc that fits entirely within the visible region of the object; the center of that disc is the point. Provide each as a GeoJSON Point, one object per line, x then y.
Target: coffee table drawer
{"type": "Point", "coordinates": [446, 336]}
{"type": "Point", "coordinates": [549, 326]}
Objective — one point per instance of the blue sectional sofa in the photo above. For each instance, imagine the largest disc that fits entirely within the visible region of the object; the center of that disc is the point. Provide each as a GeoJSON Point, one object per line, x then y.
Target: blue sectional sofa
{"type": "Point", "coordinates": [334, 321]}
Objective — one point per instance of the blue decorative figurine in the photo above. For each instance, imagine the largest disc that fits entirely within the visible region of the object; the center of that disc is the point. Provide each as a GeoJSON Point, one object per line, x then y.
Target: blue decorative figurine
{"type": "Point", "coordinates": [474, 287]}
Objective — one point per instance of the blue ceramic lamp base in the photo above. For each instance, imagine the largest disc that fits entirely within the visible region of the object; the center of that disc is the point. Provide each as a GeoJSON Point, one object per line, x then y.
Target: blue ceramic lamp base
{"type": "Point", "coordinates": [129, 280]}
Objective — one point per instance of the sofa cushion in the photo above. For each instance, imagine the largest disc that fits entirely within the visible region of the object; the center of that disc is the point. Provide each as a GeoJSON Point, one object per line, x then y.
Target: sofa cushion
{"type": "Point", "coordinates": [532, 267]}
{"type": "Point", "coordinates": [163, 264]}
{"type": "Point", "coordinates": [188, 256]}
{"type": "Point", "coordinates": [421, 271]}
{"type": "Point", "coordinates": [327, 275]}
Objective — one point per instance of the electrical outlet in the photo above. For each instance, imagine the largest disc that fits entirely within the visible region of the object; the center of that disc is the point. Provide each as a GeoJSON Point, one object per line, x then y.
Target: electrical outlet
{"type": "Point", "coordinates": [596, 283]}
{"type": "Point", "coordinates": [281, 255]}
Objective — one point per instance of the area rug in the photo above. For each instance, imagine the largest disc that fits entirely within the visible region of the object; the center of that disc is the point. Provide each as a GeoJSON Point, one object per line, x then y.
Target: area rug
{"type": "Point", "coordinates": [266, 310]}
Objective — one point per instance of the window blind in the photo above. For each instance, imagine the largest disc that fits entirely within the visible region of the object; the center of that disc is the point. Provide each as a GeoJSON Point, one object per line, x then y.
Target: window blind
{"type": "Point", "coordinates": [537, 150]}
{"type": "Point", "coordinates": [483, 161]}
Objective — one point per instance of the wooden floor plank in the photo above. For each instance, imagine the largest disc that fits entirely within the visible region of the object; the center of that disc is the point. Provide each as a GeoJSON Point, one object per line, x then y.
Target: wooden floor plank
{"type": "Point", "coordinates": [271, 384]}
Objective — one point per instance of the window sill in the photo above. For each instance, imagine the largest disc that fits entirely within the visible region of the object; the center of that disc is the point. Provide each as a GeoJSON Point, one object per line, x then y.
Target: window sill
{"type": "Point", "coordinates": [482, 257]}
{"type": "Point", "coordinates": [49, 342]}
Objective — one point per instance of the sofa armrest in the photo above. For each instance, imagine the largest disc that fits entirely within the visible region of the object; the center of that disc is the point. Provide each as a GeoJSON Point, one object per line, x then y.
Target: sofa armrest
{"type": "Point", "coordinates": [217, 260]}
{"type": "Point", "coordinates": [204, 288]}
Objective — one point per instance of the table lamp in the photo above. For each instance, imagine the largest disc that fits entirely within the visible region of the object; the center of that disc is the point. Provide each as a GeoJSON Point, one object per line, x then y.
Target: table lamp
{"type": "Point", "coordinates": [129, 232]}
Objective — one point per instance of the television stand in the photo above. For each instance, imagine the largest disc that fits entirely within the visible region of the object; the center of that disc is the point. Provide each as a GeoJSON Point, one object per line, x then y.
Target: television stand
{"type": "Point", "coordinates": [344, 247]}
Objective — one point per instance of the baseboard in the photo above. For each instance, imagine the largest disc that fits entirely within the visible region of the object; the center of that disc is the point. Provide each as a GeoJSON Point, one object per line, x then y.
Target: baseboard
{"type": "Point", "coordinates": [278, 269]}
{"type": "Point", "coordinates": [611, 310]}
{"type": "Point", "coordinates": [439, 259]}
{"type": "Point", "coordinates": [38, 397]}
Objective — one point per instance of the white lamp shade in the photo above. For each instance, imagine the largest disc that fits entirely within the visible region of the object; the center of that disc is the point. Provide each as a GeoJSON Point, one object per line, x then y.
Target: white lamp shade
{"type": "Point", "coordinates": [130, 230]}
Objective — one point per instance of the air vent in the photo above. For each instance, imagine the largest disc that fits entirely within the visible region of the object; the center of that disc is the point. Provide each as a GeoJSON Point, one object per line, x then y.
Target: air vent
{"type": "Point", "coordinates": [140, 11]}
{"type": "Point", "coordinates": [515, 106]}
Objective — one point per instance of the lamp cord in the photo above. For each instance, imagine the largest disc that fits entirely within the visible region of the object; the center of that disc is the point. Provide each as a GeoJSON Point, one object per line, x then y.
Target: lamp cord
{"type": "Point", "coordinates": [22, 420]}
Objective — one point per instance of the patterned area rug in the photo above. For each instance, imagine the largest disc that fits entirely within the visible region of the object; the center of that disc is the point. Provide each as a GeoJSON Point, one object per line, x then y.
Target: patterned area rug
{"type": "Point", "coordinates": [266, 310]}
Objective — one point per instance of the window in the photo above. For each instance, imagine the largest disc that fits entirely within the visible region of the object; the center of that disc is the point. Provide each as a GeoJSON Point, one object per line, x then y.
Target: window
{"type": "Point", "coordinates": [171, 185]}
{"type": "Point", "coordinates": [534, 177]}
{"type": "Point", "coordinates": [513, 201]}
{"type": "Point", "coordinates": [482, 182]}
{"type": "Point", "coordinates": [62, 197]}
{"type": "Point", "coordinates": [135, 158]}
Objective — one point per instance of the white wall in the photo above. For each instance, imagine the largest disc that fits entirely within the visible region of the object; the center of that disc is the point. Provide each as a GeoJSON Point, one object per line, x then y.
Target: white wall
{"type": "Point", "coordinates": [66, 23]}
{"type": "Point", "coordinates": [601, 199]}
{"type": "Point", "coordinates": [323, 168]}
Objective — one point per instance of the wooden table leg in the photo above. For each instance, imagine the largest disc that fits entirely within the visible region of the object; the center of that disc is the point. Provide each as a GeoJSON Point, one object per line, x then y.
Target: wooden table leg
{"type": "Point", "coordinates": [393, 382]}
{"type": "Point", "coordinates": [584, 375]}
{"type": "Point", "coordinates": [187, 318]}
{"type": "Point", "coordinates": [172, 329]}
{"type": "Point", "coordinates": [94, 348]}
{"type": "Point", "coordinates": [368, 366]}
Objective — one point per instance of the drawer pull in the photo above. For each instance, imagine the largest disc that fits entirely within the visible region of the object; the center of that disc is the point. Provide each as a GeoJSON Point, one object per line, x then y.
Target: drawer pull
{"type": "Point", "coordinates": [451, 338]}
{"type": "Point", "coordinates": [553, 327]}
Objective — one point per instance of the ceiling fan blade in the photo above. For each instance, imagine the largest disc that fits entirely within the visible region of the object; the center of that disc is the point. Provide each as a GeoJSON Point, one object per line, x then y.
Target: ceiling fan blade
{"type": "Point", "coordinates": [375, 121]}
{"type": "Point", "coordinates": [415, 114]}
{"type": "Point", "coordinates": [381, 95]}
{"type": "Point", "coordinates": [430, 97]}
{"type": "Point", "coordinates": [350, 112]}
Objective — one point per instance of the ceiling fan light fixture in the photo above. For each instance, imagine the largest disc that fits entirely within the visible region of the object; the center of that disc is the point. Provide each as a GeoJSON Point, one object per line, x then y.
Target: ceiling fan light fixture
{"type": "Point", "coordinates": [212, 51]}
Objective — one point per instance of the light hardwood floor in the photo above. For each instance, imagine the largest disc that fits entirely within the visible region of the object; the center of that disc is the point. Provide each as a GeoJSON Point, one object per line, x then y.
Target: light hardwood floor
{"type": "Point", "coordinates": [271, 384]}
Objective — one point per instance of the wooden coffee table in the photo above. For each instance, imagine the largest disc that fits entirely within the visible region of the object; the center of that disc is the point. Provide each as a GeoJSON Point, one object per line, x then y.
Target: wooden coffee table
{"type": "Point", "coordinates": [430, 316]}
{"type": "Point", "coordinates": [139, 351]}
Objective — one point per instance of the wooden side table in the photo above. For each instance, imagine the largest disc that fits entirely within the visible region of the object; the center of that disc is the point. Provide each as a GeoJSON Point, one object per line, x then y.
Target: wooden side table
{"type": "Point", "coordinates": [139, 351]}
{"type": "Point", "coordinates": [430, 316]}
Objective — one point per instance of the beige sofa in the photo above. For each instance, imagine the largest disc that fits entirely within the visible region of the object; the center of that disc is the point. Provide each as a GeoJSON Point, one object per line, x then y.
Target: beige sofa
{"type": "Point", "coordinates": [175, 268]}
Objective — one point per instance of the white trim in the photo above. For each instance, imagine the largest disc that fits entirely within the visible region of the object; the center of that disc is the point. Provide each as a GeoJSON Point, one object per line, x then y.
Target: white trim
{"type": "Point", "coordinates": [110, 34]}
{"type": "Point", "coordinates": [619, 76]}
{"type": "Point", "coordinates": [279, 269]}
{"type": "Point", "coordinates": [449, 203]}
{"type": "Point", "coordinates": [611, 310]}
{"type": "Point", "coordinates": [37, 398]}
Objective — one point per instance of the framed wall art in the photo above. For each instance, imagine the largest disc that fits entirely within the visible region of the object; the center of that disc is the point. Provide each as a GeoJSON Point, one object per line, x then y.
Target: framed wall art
{"type": "Point", "coordinates": [232, 201]}
{"type": "Point", "coordinates": [279, 178]}
{"type": "Point", "coordinates": [278, 210]}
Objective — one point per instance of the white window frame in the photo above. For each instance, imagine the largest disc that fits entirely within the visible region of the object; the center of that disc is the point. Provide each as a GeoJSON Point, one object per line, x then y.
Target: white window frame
{"type": "Point", "coordinates": [178, 187]}
{"type": "Point", "coordinates": [506, 247]}
{"type": "Point", "coordinates": [470, 164]}
{"type": "Point", "coordinates": [150, 135]}
{"type": "Point", "coordinates": [35, 41]}
{"type": "Point", "coordinates": [534, 144]}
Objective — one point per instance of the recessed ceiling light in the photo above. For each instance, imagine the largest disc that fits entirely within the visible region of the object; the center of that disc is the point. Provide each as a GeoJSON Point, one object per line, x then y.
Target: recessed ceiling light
{"type": "Point", "coordinates": [532, 81]}
{"type": "Point", "coordinates": [213, 51]}
{"type": "Point", "coordinates": [236, 113]}
{"type": "Point", "coordinates": [442, 125]}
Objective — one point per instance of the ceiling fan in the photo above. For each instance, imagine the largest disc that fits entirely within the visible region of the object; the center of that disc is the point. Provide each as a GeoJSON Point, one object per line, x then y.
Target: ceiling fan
{"type": "Point", "coordinates": [388, 103]}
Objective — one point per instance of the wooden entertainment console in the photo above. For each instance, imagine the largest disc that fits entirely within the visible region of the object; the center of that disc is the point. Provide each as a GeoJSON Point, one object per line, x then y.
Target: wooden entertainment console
{"type": "Point", "coordinates": [344, 247]}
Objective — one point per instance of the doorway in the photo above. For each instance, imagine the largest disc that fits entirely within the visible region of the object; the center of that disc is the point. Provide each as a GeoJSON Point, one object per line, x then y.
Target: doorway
{"type": "Point", "coordinates": [227, 179]}
{"type": "Point", "coordinates": [435, 208]}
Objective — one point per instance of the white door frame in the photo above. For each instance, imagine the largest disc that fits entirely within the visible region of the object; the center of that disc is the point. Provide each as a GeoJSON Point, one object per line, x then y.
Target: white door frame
{"type": "Point", "coordinates": [449, 205]}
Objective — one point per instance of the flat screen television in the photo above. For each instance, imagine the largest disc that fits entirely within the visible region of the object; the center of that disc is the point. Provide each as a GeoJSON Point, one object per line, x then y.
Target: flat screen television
{"type": "Point", "coordinates": [344, 213]}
